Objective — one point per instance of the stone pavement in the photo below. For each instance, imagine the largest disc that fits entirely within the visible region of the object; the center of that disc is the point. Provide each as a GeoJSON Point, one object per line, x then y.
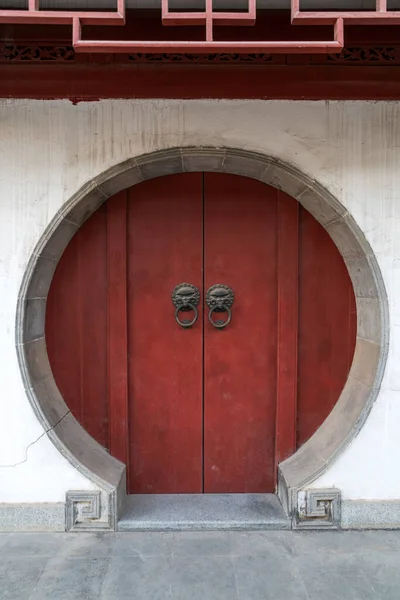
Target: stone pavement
{"type": "Point", "coordinates": [279, 565]}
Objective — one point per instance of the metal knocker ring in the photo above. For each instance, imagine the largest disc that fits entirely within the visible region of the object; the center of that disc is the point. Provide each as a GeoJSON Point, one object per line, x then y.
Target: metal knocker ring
{"type": "Point", "coordinates": [219, 299]}
{"type": "Point", "coordinates": [185, 297]}
{"type": "Point", "coordinates": [185, 308]}
{"type": "Point", "coordinates": [220, 324]}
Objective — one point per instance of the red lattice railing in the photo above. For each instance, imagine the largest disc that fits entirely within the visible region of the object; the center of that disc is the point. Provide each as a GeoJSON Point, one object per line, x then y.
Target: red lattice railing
{"type": "Point", "coordinates": [210, 19]}
{"type": "Point", "coordinates": [379, 16]}
{"type": "Point", "coordinates": [33, 15]}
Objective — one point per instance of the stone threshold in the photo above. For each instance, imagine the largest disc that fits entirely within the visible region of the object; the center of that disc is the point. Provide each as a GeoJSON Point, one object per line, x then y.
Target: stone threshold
{"type": "Point", "coordinates": [196, 512]}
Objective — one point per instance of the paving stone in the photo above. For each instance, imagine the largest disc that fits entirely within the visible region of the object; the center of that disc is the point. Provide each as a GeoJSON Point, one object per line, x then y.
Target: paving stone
{"type": "Point", "coordinates": [138, 578]}
{"type": "Point", "coordinates": [335, 577]}
{"type": "Point", "coordinates": [20, 575]}
{"type": "Point", "coordinates": [341, 542]}
{"type": "Point", "coordinates": [32, 544]}
{"type": "Point", "coordinates": [271, 577]}
{"type": "Point", "coordinates": [371, 542]}
{"type": "Point", "coordinates": [382, 570]}
{"type": "Point", "coordinates": [255, 565]}
{"type": "Point", "coordinates": [203, 577]}
{"type": "Point", "coordinates": [143, 544]}
{"type": "Point", "coordinates": [68, 579]}
{"type": "Point", "coordinates": [198, 543]}
{"type": "Point", "coordinates": [88, 545]}
{"type": "Point", "coordinates": [262, 542]}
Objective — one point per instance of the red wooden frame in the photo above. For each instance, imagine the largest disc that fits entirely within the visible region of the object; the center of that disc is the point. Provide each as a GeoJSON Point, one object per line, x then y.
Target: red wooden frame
{"type": "Point", "coordinates": [283, 47]}
{"type": "Point", "coordinates": [379, 16]}
{"type": "Point", "coordinates": [209, 18]}
{"type": "Point", "coordinates": [35, 16]}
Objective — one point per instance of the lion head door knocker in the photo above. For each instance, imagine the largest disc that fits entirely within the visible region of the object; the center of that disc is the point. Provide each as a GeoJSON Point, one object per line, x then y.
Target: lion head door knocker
{"type": "Point", "coordinates": [186, 298]}
{"type": "Point", "coordinates": [219, 299]}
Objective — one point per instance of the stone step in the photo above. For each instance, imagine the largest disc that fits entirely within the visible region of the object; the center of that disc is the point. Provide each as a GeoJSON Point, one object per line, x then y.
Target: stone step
{"type": "Point", "coordinates": [183, 512]}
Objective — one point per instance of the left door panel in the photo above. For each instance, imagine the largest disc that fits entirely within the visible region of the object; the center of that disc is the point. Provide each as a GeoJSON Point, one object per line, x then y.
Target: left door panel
{"type": "Point", "coordinates": [165, 248]}
{"type": "Point", "coordinates": [129, 373]}
{"type": "Point", "coordinates": [76, 326]}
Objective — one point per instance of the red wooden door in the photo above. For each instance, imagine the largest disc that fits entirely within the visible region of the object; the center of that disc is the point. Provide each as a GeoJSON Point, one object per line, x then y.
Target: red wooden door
{"type": "Point", "coordinates": [165, 248]}
{"type": "Point", "coordinates": [240, 361]}
{"type": "Point", "coordinates": [200, 409]}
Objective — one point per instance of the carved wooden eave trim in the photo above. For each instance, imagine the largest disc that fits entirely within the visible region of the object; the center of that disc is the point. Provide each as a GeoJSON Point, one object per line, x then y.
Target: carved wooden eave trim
{"type": "Point", "coordinates": [351, 56]}
{"type": "Point", "coordinates": [15, 53]}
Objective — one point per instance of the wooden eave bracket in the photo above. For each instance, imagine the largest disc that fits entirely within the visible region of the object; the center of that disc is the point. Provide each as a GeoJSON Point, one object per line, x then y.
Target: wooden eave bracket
{"type": "Point", "coordinates": [209, 19]}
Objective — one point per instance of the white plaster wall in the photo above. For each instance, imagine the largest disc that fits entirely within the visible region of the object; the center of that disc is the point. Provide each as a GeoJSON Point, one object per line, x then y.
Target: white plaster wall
{"type": "Point", "coordinates": [49, 149]}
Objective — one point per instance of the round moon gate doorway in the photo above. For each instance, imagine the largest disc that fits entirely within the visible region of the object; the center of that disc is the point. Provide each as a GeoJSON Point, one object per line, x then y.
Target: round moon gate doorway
{"type": "Point", "coordinates": [201, 327]}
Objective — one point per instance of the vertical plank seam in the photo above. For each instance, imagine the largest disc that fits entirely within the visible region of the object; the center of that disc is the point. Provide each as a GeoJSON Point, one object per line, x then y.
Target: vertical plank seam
{"type": "Point", "coordinates": [80, 329]}
{"type": "Point", "coordinates": [285, 447]}
{"type": "Point", "coordinates": [126, 305]}
{"type": "Point", "coordinates": [296, 340]}
{"type": "Point", "coordinates": [203, 337]}
{"type": "Point", "coordinates": [123, 442]}
{"type": "Point", "coordinates": [109, 408]}
{"type": "Point", "coordinates": [127, 453]}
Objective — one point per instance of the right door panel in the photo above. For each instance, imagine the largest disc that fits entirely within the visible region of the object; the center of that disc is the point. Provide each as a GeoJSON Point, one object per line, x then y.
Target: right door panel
{"type": "Point", "coordinates": [327, 326]}
{"type": "Point", "coordinates": [240, 248]}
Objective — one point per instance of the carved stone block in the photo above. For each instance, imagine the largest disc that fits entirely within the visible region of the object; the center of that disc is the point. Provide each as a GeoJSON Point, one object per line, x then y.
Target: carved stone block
{"type": "Point", "coordinates": [83, 512]}
{"type": "Point", "coordinates": [318, 509]}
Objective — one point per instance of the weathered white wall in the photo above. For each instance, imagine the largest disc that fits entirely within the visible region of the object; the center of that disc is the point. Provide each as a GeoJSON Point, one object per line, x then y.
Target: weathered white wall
{"type": "Point", "coordinates": [48, 149]}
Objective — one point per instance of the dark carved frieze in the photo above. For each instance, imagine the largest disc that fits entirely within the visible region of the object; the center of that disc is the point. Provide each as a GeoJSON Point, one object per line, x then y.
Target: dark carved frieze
{"type": "Point", "coordinates": [360, 55]}
{"type": "Point", "coordinates": [372, 55]}
{"type": "Point", "coordinates": [16, 53]}
{"type": "Point", "coordinates": [204, 58]}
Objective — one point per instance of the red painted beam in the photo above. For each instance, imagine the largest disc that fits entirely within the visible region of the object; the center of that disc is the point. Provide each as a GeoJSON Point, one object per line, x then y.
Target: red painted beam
{"type": "Point", "coordinates": [304, 82]}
